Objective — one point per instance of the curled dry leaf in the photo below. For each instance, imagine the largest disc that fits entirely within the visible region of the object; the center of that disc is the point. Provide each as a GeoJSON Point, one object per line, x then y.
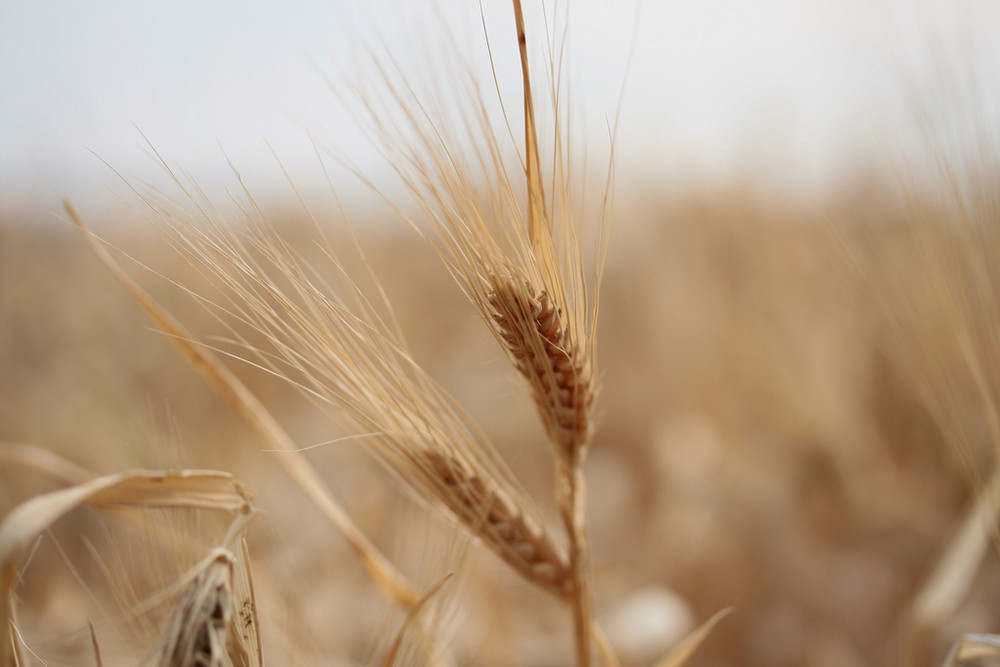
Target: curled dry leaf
{"type": "Point", "coordinates": [973, 647]}
{"type": "Point", "coordinates": [201, 489]}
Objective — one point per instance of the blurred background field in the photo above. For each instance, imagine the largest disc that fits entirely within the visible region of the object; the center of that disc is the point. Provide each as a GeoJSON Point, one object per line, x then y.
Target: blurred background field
{"type": "Point", "coordinates": [765, 441]}
{"type": "Point", "coordinates": [757, 449]}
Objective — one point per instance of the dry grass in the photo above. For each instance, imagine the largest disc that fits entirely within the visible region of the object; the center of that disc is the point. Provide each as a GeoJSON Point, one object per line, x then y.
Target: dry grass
{"type": "Point", "coordinates": [803, 434]}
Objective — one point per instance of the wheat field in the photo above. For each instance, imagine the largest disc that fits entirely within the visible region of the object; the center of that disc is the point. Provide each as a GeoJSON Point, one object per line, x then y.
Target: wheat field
{"type": "Point", "coordinates": [510, 422]}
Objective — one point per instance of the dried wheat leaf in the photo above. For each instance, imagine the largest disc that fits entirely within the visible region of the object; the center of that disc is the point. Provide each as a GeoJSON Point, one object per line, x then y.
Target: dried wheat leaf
{"type": "Point", "coordinates": [187, 488]}
{"type": "Point", "coordinates": [683, 651]}
{"type": "Point", "coordinates": [195, 489]}
{"type": "Point", "coordinates": [973, 647]}
{"type": "Point", "coordinates": [953, 576]}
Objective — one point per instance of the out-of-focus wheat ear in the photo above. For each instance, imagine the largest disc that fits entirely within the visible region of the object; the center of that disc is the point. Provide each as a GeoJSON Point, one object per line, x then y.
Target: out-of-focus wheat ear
{"type": "Point", "coordinates": [497, 521]}
{"type": "Point", "coordinates": [197, 633]}
{"type": "Point", "coordinates": [544, 352]}
{"type": "Point", "coordinates": [385, 575]}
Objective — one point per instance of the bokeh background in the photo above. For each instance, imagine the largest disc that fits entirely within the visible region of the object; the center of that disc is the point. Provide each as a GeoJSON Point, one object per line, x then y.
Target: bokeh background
{"type": "Point", "coordinates": [768, 440]}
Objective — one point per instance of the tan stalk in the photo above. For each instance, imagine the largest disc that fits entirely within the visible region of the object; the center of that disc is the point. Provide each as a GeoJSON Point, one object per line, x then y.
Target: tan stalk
{"type": "Point", "coordinates": [539, 227]}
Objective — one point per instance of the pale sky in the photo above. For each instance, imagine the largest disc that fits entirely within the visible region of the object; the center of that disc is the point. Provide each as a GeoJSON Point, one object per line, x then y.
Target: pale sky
{"type": "Point", "coordinates": [789, 90]}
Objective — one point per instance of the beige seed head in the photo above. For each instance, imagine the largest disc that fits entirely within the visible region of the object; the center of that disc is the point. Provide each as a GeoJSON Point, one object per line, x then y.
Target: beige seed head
{"type": "Point", "coordinates": [544, 352]}
{"type": "Point", "coordinates": [489, 513]}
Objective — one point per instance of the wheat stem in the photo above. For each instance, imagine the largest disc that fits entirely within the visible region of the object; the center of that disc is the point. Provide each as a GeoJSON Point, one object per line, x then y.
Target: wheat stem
{"type": "Point", "coordinates": [571, 498]}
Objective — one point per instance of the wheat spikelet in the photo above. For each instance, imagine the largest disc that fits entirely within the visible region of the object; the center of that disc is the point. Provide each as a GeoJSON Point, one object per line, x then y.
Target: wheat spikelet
{"type": "Point", "coordinates": [489, 513]}
{"type": "Point", "coordinates": [543, 352]}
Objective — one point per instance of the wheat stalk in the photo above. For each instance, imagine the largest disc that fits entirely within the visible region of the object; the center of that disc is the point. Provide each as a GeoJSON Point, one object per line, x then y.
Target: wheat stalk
{"type": "Point", "coordinates": [520, 265]}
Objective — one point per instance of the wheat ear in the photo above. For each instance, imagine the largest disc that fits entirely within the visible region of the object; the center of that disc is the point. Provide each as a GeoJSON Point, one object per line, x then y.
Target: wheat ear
{"type": "Point", "coordinates": [544, 352]}
{"type": "Point", "coordinates": [488, 512]}
{"type": "Point", "coordinates": [519, 263]}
